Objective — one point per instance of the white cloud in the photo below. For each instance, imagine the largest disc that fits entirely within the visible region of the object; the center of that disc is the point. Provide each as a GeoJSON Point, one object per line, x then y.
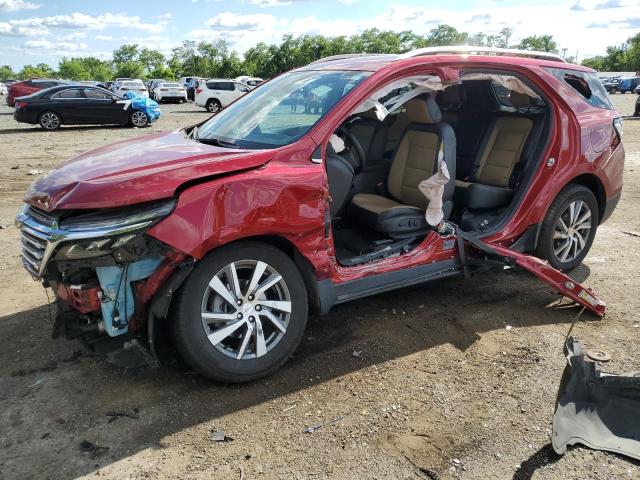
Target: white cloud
{"type": "Point", "coordinates": [15, 5]}
{"type": "Point", "coordinates": [104, 38]}
{"type": "Point", "coordinates": [54, 46]}
{"type": "Point", "coordinates": [228, 21]}
{"type": "Point", "coordinates": [37, 26]}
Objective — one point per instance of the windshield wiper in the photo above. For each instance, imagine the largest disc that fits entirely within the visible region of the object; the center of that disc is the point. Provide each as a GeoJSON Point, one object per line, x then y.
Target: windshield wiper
{"type": "Point", "coordinates": [218, 142]}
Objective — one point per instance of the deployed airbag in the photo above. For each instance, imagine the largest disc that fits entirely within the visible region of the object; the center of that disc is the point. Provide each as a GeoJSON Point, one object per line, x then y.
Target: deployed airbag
{"type": "Point", "coordinates": [596, 409]}
{"type": "Point", "coordinates": [144, 104]}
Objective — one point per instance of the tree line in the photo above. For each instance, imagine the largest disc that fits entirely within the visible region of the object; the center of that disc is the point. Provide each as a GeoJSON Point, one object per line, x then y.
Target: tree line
{"type": "Point", "coordinates": [217, 59]}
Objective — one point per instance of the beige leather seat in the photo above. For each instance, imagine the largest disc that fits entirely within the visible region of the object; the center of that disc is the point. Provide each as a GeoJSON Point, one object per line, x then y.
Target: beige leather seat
{"type": "Point", "coordinates": [402, 213]}
{"type": "Point", "coordinates": [496, 160]}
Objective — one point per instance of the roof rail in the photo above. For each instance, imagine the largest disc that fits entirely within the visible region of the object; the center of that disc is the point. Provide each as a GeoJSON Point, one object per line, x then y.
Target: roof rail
{"type": "Point", "coordinates": [333, 58]}
{"type": "Point", "coordinates": [470, 50]}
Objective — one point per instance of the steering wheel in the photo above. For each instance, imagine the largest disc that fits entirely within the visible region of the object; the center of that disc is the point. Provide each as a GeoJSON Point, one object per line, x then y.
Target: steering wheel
{"type": "Point", "coordinates": [360, 157]}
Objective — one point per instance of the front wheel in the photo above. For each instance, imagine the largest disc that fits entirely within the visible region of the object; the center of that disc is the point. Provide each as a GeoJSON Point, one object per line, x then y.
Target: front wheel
{"type": "Point", "coordinates": [138, 119]}
{"type": "Point", "coordinates": [569, 228]}
{"type": "Point", "coordinates": [241, 313]}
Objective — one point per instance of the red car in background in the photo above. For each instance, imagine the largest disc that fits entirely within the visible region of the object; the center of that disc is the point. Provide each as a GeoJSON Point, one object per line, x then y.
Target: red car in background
{"type": "Point", "coordinates": [351, 176]}
{"type": "Point", "coordinates": [27, 87]}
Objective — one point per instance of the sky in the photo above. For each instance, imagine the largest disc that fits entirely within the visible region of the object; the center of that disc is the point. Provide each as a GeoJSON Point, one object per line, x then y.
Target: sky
{"type": "Point", "coordinates": [34, 31]}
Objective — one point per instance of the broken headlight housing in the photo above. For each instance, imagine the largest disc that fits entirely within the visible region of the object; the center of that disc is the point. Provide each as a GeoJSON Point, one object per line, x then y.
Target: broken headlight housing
{"type": "Point", "coordinates": [107, 231]}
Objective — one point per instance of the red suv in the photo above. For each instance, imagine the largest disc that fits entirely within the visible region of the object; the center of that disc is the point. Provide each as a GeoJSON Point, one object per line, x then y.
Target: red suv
{"type": "Point", "coordinates": [351, 176]}
{"type": "Point", "coordinates": [27, 87]}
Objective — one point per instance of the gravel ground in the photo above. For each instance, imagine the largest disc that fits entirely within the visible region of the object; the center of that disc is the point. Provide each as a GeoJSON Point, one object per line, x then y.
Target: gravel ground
{"type": "Point", "coordinates": [453, 379]}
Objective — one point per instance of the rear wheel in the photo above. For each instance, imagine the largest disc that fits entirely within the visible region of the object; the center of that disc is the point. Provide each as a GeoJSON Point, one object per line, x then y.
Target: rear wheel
{"type": "Point", "coordinates": [213, 105]}
{"type": "Point", "coordinates": [50, 121]}
{"type": "Point", "coordinates": [241, 313]}
{"type": "Point", "coordinates": [569, 228]}
{"type": "Point", "coordinates": [138, 118]}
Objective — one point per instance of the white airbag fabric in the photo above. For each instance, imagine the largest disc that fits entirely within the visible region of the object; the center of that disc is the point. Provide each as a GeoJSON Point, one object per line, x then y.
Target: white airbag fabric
{"type": "Point", "coordinates": [433, 189]}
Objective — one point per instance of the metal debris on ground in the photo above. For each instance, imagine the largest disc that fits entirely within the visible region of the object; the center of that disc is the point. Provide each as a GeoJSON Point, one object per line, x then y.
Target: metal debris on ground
{"type": "Point", "coordinates": [93, 449]}
{"type": "Point", "coordinates": [219, 436]}
{"type": "Point", "coordinates": [34, 172]}
{"type": "Point", "coordinates": [598, 355]}
{"type": "Point", "coordinates": [317, 426]}
{"type": "Point", "coordinates": [357, 353]}
{"type": "Point", "coordinates": [289, 408]}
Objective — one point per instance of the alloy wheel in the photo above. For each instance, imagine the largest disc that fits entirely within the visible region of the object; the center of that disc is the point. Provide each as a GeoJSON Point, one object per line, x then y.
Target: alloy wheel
{"type": "Point", "coordinates": [139, 119]}
{"type": "Point", "coordinates": [50, 121]}
{"type": "Point", "coordinates": [246, 309]}
{"type": "Point", "coordinates": [572, 231]}
{"type": "Point", "coordinates": [214, 107]}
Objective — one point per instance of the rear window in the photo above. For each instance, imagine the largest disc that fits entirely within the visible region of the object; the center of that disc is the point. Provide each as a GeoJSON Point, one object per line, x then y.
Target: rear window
{"type": "Point", "coordinates": [220, 85]}
{"type": "Point", "coordinates": [172, 85]}
{"type": "Point", "coordinates": [133, 84]}
{"type": "Point", "coordinates": [585, 84]}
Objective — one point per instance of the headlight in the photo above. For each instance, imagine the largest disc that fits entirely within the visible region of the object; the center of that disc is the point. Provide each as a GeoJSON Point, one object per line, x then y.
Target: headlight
{"type": "Point", "coordinates": [100, 233]}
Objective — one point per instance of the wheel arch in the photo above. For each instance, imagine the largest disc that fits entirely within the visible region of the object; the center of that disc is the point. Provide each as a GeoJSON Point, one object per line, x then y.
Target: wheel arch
{"type": "Point", "coordinates": [593, 183]}
{"type": "Point", "coordinates": [304, 266]}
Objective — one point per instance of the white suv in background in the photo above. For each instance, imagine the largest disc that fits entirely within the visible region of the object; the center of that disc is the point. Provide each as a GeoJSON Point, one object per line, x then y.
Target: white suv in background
{"type": "Point", "coordinates": [214, 94]}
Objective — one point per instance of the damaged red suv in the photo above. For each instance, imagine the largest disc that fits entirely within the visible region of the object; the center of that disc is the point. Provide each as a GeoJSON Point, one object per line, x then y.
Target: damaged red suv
{"type": "Point", "coordinates": [308, 192]}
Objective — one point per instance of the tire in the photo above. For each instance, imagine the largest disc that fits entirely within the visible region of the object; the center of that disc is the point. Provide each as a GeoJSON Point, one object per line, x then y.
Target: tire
{"type": "Point", "coordinates": [138, 118]}
{"type": "Point", "coordinates": [213, 105]}
{"type": "Point", "coordinates": [566, 253]}
{"type": "Point", "coordinates": [50, 121]}
{"type": "Point", "coordinates": [230, 356]}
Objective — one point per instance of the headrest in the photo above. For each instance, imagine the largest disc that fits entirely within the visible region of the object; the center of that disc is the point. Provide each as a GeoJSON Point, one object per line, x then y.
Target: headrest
{"type": "Point", "coordinates": [518, 99]}
{"type": "Point", "coordinates": [453, 95]}
{"type": "Point", "coordinates": [423, 109]}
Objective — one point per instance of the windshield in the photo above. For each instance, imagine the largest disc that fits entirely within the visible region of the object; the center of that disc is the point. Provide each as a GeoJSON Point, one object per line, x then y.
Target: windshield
{"type": "Point", "coordinates": [280, 111]}
{"type": "Point", "coordinates": [133, 84]}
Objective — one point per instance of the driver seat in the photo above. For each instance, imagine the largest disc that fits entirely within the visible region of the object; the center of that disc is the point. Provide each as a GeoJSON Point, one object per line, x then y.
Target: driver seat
{"type": "Point", "coordinates": [402, 213]}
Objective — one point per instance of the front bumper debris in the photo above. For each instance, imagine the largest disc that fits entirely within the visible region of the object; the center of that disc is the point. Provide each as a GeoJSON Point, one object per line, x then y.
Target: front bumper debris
{"type": "Point", "coordinates": [596, 409]}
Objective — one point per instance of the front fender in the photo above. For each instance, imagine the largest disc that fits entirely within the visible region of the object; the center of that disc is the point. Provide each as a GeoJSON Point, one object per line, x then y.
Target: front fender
{"type": "Point", "coordinates": [278, 199]}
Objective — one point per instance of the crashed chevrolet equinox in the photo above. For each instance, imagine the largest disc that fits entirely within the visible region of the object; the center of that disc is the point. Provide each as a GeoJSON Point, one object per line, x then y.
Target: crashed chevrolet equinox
{"type": "Point", "coordinates": [351, 176]}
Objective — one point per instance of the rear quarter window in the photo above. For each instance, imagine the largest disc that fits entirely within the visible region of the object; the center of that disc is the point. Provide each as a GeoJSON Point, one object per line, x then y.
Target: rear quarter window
{"type": "Point", "coordinates": [585, 84]}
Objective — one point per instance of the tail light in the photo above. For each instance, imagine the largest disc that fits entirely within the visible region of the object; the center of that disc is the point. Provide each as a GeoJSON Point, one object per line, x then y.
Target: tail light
{"type": "Point", "coordinates": [164, 89]}
{"type": "Point", "coordinates": [20, 104]}
{"type": "Point", "coordinates": [198, 90]}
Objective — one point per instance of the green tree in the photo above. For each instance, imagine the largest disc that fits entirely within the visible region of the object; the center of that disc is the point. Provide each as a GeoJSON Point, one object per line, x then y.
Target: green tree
{"type": "Point", "coordinates": [444, 35]}
{"type": "Point", "coordinates": [7, 73]}
{"type": "Point", "coordinates": [542, 43]}
{"type": "Point", "coordinates": [41, 70]}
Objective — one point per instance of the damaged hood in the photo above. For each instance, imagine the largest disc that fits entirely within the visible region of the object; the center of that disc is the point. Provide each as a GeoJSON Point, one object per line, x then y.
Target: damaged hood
{"type": "Point", "coordinates": [136, 170]}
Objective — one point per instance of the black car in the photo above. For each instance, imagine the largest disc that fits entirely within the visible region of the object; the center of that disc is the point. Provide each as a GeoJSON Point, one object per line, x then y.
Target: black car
{"type": "Point", "coordinates": [611, 84]}
{"type": "Point", "coordinates": [77, 105]}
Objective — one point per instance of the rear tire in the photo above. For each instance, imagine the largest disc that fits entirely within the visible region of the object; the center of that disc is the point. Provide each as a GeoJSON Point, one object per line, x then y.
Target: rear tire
{"type": "Point", "coordinates": [265, 334]}
{"type": "Point", "coordinates": [50, 121]}
{"type": "Point", "coordinates": [569, 228]}
{"type": "Point", "coordinates": [213, 105]}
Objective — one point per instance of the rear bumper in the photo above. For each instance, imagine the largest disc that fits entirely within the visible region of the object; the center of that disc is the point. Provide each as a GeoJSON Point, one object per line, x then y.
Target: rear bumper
{"type": "Point", "coordinates": [23, 116]}
{"type": "Point", "coordinates": [610, 206]}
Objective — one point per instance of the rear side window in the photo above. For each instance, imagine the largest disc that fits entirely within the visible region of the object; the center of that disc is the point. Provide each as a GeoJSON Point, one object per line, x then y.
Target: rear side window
{"type": "Point", "coordinates": [586, 84]}
{"type": "Point", "coordinates": [96, 93]}
{"type": "Point", "coordinates": [221, 86]}
{"type": "Point", "coordinates": [71, 93]}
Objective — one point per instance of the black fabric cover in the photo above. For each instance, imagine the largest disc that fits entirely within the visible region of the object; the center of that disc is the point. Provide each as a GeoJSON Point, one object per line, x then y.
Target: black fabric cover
{"type": "Point", "coordinates": [477, 196]}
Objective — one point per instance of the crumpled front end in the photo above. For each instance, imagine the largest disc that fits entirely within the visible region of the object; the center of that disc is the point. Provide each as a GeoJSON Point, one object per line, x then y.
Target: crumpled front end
{"type": "Point", "coordinates": [596, 409]}
{"type": "Point", "coordinates": [101, 265]}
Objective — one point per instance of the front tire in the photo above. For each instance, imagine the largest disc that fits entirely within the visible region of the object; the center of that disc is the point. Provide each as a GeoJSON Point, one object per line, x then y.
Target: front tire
{"type": "Point", "coordinates": [50, 121]}
{"type": "Point", "coordinates": [138, 119]}
{"type": "Point", "coordinates": [241, 313]}
{"type": "Point", "coordinates": [569, 228]}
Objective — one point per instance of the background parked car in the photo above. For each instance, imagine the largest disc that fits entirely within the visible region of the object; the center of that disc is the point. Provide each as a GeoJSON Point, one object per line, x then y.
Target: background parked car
{"type": "Point", "coordinates": [251, 82]}
{"type": "Point", "coordinates": [184, 81]}
{"type": "Point", "coordinates": [27, 87]}
{"type": "Point", "coordinates": [192, 86]}
{"type": "Point", "coordinates": [135, 86]}
{"type": "Point", "coordinates": [79, 105]}
{"type": "Point", "coordinates": [3, 89]}
{"type": "Point", "coordinates": [611, 84]}
{"type": "Point", "coordinates": [215, 94]}
{"type": "Point", "coordinates": [152, 84]}
{"type": "Point", "coordinates": [88, 83]}
{"type": "Point", "coordinates": [170, 91]}
{"type": "Point", "coordinates": [628, 84]}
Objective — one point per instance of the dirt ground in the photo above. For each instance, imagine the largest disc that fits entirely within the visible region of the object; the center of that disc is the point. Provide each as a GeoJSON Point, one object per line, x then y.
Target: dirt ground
{"type": "Point", "coordinates": [452, 379]}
